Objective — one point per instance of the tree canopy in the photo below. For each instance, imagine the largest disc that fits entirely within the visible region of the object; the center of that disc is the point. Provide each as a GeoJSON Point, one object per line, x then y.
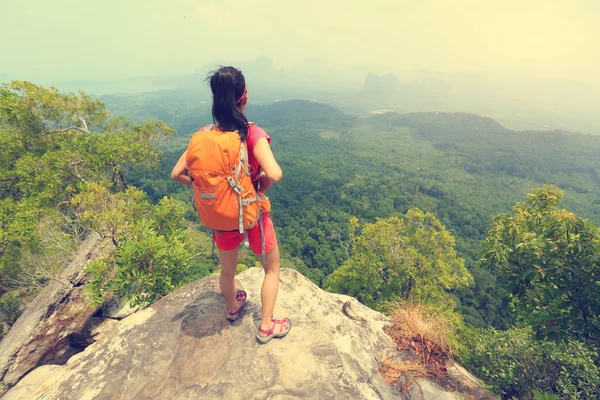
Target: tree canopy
{"type": "Point", "coordinates": [550, 260]}
{"type": "Point", "coordinates": [412, 257]}
{"type": "Point", "coordinates": [56, 147]}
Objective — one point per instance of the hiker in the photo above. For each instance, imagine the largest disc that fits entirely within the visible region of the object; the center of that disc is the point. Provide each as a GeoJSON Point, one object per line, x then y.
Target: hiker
{"type": "Point", "coordinates": [230, 166]}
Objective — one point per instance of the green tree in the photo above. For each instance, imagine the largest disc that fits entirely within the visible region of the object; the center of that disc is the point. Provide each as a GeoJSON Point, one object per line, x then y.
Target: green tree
{"type": "Point", "coordinates": [151, 256]}
{"type": "Point", "coordinates": [550, 260]}
{"type": "Point", "coordinates": [411, 258]}
{"type": "Point", "coordinates": [54, 146]}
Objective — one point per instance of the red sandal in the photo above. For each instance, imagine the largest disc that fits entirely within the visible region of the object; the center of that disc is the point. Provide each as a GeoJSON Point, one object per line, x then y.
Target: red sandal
{"type": "Point", "coordinates": [285, 324]}
{"type": "Point", "coordinates": [240, 297]}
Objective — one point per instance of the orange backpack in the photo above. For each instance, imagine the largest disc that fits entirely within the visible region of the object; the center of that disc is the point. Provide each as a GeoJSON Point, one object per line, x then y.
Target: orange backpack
{"type": "Point", "coordinates": [224, 195]}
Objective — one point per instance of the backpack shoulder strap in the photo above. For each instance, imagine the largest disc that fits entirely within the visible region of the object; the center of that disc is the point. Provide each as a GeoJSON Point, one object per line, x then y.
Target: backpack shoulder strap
{"type": "Point", "coordinates": [243, 165]}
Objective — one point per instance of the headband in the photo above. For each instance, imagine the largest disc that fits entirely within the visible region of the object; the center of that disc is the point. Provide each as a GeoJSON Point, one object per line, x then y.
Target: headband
{"type": "Point", "coordinates": [243, 97]}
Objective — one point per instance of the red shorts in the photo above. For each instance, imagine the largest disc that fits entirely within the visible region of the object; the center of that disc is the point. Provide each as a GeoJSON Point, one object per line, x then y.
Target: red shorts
{"type": "Point", "coordinates": [231, 240]}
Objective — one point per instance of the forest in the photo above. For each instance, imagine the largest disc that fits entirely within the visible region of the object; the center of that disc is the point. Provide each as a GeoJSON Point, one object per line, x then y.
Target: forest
{"type": "Point", "coordinates": [462, 168]}
{"type": "Point", "coordinates": [477, 210]}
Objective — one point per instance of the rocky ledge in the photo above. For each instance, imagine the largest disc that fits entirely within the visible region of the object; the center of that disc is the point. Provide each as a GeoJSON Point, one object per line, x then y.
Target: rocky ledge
{"type": "Point", "coordinates": [182, 347]}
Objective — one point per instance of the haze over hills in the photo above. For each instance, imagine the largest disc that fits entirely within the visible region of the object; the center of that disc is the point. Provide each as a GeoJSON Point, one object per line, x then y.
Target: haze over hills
{"type": "Point", "coordinates": [518, 103]}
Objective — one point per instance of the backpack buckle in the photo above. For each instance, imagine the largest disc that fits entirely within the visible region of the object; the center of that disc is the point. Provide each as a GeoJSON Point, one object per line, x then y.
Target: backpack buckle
{"type": "Point", "coordinates": [234, 185]}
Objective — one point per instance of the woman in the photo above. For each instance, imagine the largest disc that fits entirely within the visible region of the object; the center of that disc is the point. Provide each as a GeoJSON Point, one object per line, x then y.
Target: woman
{"type": "Point", "coordinates": [230, 96]}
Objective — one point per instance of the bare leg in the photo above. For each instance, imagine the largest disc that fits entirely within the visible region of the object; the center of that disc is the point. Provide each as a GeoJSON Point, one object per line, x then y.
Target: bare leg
{"type": "Point", "coordinates": [229, 261]}
{"type": "Point", "coordinates": [270, 287]}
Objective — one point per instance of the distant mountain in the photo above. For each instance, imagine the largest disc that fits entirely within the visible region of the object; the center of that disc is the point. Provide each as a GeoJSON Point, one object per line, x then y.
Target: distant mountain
{"type": "Point", "coordinates": [376, 84]}
{"type": "Point", "coordinates": [518, 103]}
{"type": "Point", "coordinates": [266, 83]}
{"type": "Point", "coordinates": [389, 92]}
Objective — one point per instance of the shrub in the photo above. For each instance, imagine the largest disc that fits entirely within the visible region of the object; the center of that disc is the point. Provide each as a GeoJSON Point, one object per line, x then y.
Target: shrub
{"type": "Point", "coordinates": [515, 364]}
{"type": "Point", "coordinates": [151, 256]}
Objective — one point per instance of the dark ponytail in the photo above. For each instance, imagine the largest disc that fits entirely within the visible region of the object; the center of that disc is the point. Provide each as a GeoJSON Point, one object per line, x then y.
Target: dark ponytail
{"type": "Point", "coordinates": [228, 86]}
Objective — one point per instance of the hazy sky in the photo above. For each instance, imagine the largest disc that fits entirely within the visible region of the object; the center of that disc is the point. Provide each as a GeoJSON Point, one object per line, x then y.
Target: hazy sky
{"type": "Point", "coordinates": [109, 39]}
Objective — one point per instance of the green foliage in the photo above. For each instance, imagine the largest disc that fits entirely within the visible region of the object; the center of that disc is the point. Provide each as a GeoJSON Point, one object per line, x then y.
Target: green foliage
{"type": "Point", "coordinates": [53, 145]}
{"type": "Point", "coordinates": [409, 258]}
{"type": "Point", "coordinates": [198, 270]}
{"type": "Point", "coordinates": [550, 260]}
{"type": "Point", "coordinates": [486, 302]}
{"type": "Point", "coordinates": [152, 255]}
{"type": "Point", "coordinates": [203, 262]}
{"type": "Point", "coordinates": [241, 267]}
{"type": "Point", "coordinates": [10, 308]}
{"type": "Point", "coordinates": [149, 265]}
{"type": "Point", "coordinates": [110, 214]}
{"type": "Point", "coordinates": [27, 269]}
{"type": "Point", "coordinates": [314, 274]}
{"type": "Point", "coordinates": [544, 396]}
{"type": "Point", "coordinates": [515, 364]}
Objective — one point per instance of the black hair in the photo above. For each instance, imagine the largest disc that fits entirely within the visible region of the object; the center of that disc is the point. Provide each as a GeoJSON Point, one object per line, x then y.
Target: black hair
{"type": "Point", "coordinates": [228, 86]}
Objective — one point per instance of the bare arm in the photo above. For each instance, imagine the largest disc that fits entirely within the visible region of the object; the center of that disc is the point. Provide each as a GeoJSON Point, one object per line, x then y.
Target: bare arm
{"type": "Point", "coordinates": [179, 173]}
{"type": "Point", "coordinates": [271, 172]}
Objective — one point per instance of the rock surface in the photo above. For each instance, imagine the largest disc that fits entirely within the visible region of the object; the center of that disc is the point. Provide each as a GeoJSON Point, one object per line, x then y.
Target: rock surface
{"type": "Point", "coordinates": [118, 309]}
{"type": "Point", "coordinates": [182, 347]}
{"type": "Point", "coordinates": [41, 335]}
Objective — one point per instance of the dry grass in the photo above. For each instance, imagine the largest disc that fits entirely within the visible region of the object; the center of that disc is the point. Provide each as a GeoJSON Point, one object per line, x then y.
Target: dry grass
{"type": "Point", "coordinates": [411, 321]}
{"type": "Point", "coordinates": [422, 330]}
{"type": "Point", "coordinates": [391, 370]}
